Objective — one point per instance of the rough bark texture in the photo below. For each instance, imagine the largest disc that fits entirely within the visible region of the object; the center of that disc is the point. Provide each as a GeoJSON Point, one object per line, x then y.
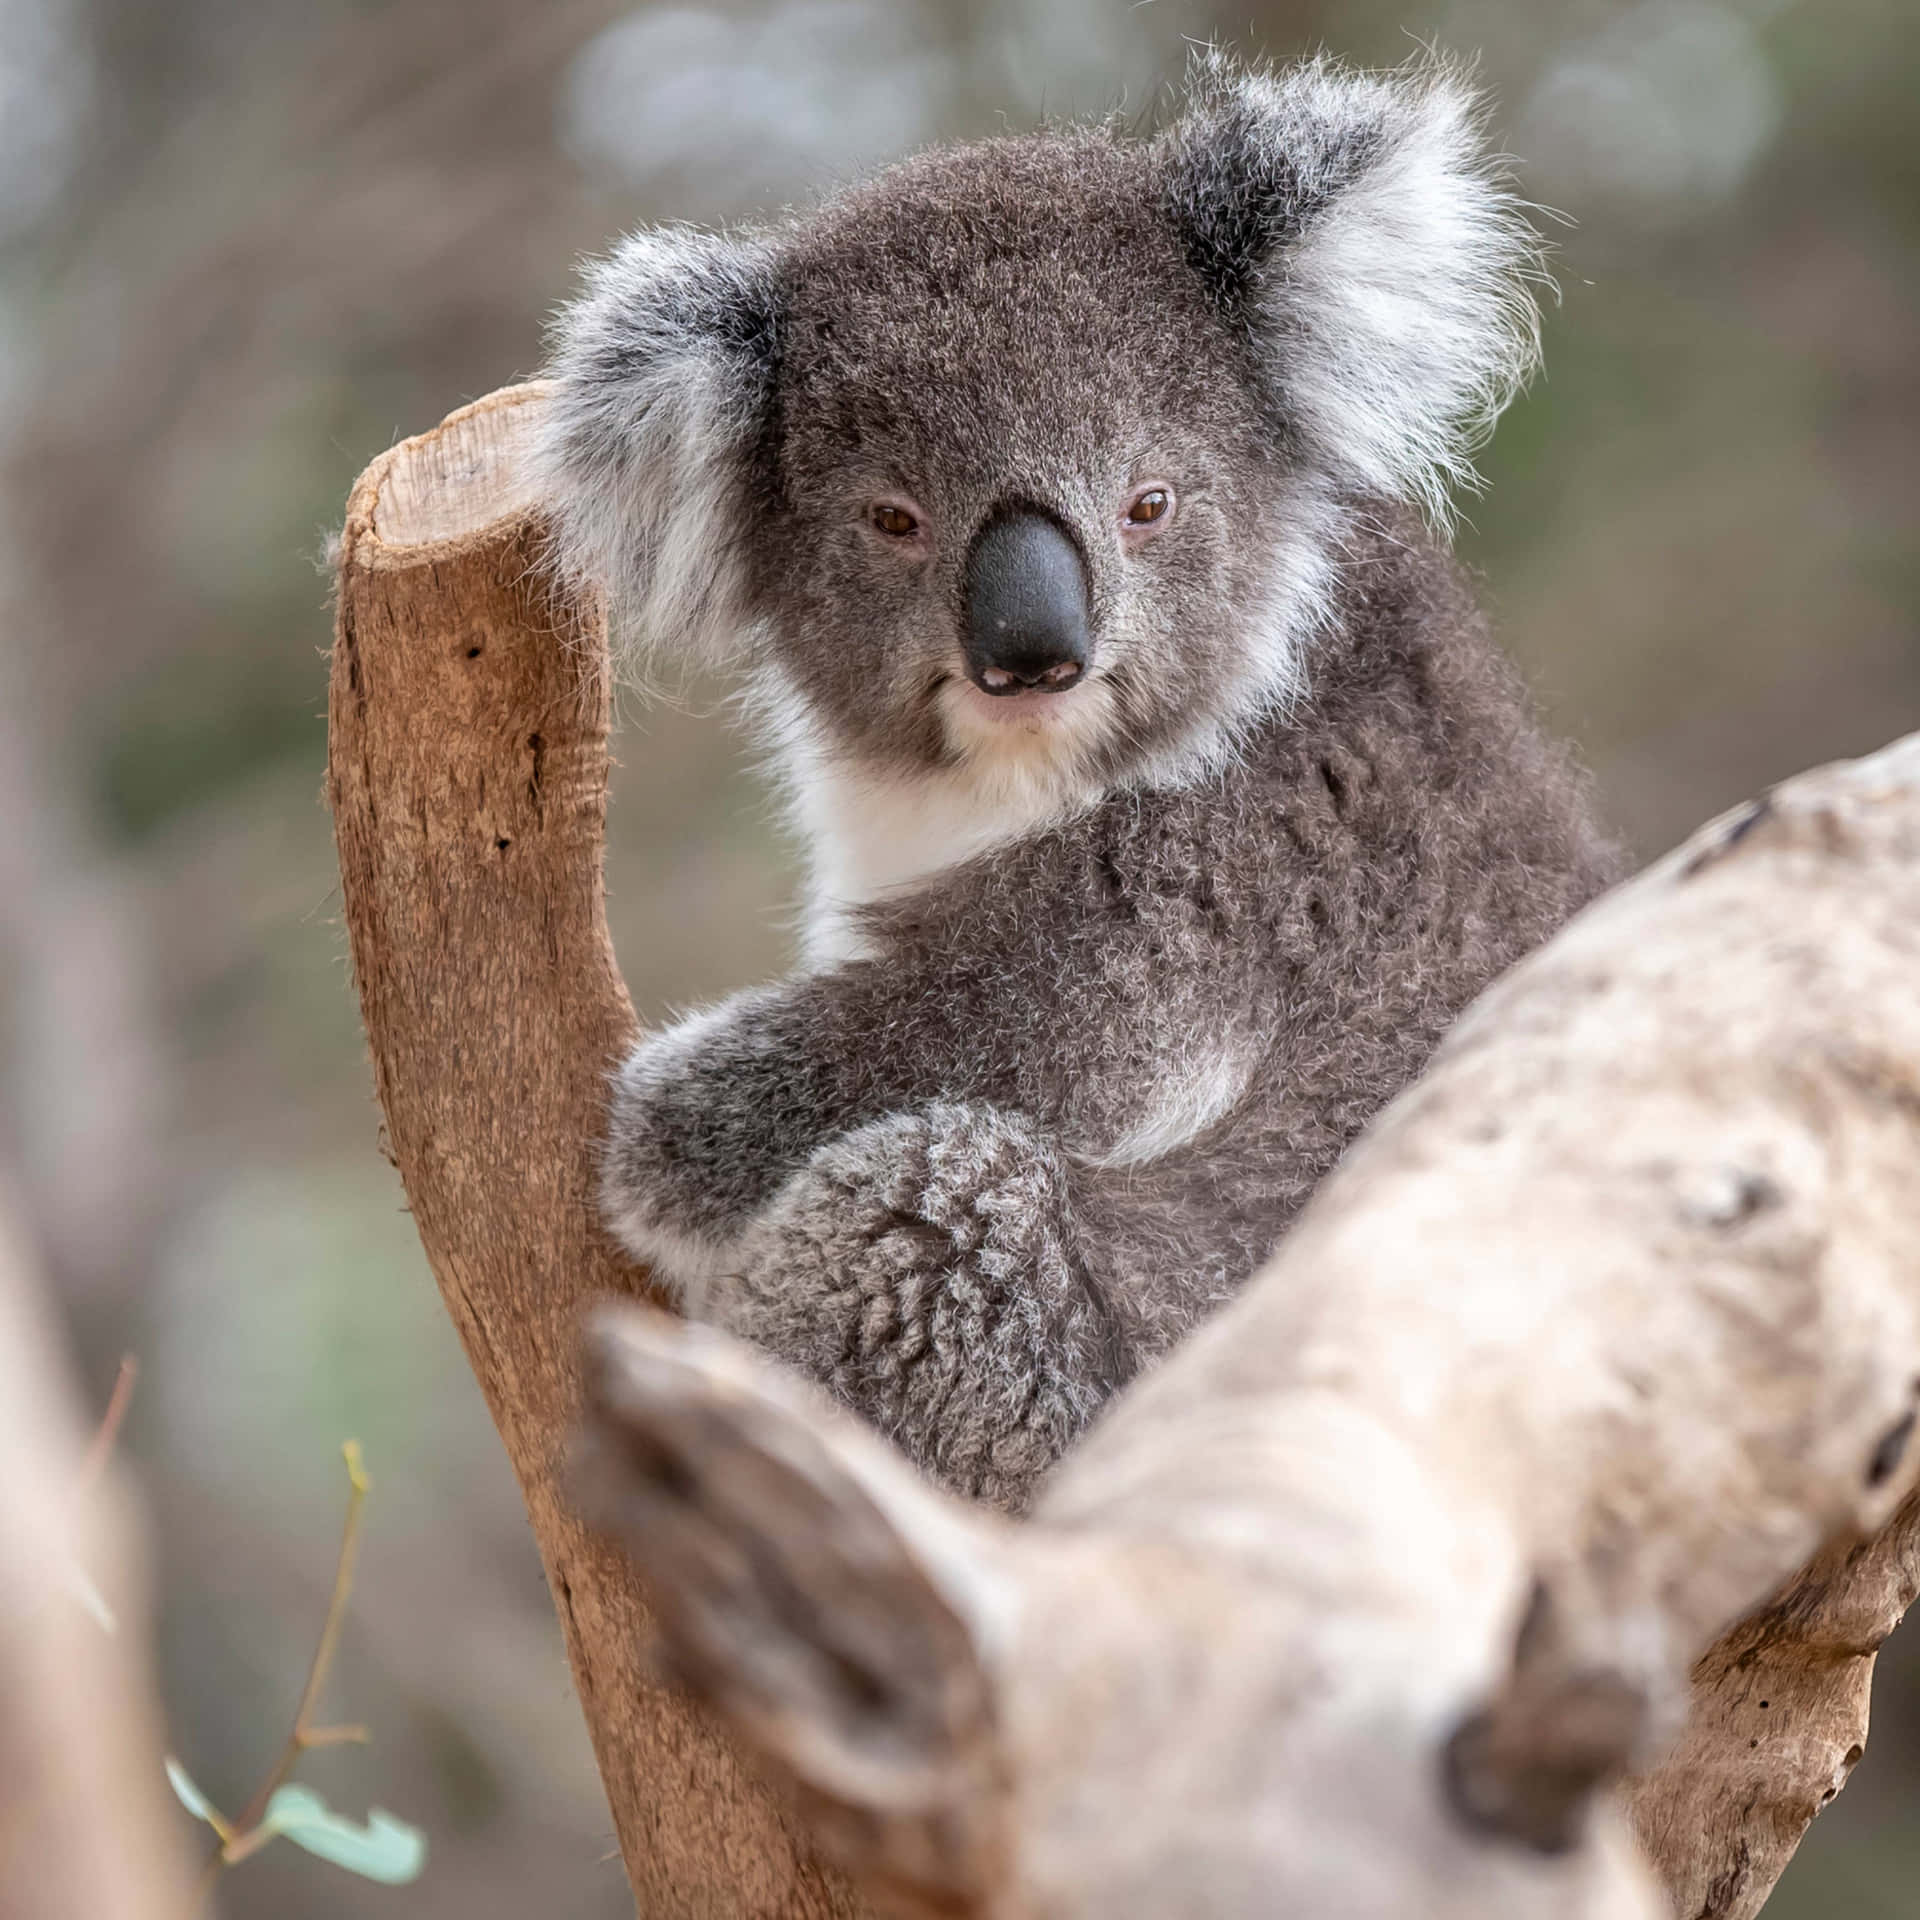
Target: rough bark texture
{"type": "Point", "coordinates": [85, 1827]}
{"type": "Point", "coordinates": [1777, 1722]}
{"type": "Point", "coordinates": [467, 772]}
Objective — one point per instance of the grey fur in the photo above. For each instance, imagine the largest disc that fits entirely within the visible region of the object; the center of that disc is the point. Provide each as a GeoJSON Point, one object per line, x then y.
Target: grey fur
{"type": "Point", "coordinates": [1088, 1014]}
{"type": "Point", "coordinates": [1398, 317]}
{"type": "Point", "coordinates": [663, 376]}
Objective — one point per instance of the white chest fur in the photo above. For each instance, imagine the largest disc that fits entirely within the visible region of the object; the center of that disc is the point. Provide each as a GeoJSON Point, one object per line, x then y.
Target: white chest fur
{"type": "Point", "coordinates": [870, 831]}
{"type": "Point", "coordinates": [870, 834]}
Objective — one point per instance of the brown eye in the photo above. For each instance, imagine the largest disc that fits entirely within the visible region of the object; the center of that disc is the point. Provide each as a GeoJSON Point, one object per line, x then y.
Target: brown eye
{"type": "Point", "coordinates": [895, 520]}
{"type": "Point", "coordinates": [1149, 507]}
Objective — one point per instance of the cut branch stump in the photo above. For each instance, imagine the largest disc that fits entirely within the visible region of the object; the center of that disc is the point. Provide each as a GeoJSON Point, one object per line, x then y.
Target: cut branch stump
{"type": "Point", "coordinates": [1776, 1722]}
{"type": "Point", "coordinates": [467, 773]}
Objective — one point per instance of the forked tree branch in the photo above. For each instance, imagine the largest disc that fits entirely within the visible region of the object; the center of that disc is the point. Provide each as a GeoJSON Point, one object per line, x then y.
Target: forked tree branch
{"type": "Point", "coordinates": [1606, 1335]}
{"type": "Point", "coordinates": [468, 761]}
{"type": "Point", "coordinates": [467, 772]}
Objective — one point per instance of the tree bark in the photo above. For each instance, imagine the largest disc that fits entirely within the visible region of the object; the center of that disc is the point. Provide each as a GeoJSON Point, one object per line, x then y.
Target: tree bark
{"type": "Point", "coordinates": [467, 773]}
{"type": "Point", "coordinates": [1776, 1723]}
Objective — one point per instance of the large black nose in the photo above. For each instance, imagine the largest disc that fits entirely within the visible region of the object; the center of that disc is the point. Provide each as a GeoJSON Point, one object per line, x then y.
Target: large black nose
{"type": "Point", "coordinates": [1026, 606]}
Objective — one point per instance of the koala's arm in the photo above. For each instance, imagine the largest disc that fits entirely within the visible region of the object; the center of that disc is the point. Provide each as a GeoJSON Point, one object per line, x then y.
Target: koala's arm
{"type": "Point", "coordinates": [711, 1115]}
{"type": "Point", "coordinates": [1065, 982]}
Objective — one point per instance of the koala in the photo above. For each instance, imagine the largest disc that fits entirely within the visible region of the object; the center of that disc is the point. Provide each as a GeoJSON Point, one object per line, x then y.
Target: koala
{"type": "Point", "coordinates": [1071, 509]}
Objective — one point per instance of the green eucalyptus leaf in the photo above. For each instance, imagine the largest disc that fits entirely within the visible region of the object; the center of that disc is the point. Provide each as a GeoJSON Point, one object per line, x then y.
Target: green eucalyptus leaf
{"type": "Point", "coordinates": [385, 1849]}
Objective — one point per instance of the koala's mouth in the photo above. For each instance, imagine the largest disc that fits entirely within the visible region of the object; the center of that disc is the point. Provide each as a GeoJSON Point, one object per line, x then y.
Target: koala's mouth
{"type": "Point", "coordinates": [1031, 728]}
{"type": "Point", "coordinates": [1028, 709]}
{"type": "Point", "coordinates": [1019, 706]}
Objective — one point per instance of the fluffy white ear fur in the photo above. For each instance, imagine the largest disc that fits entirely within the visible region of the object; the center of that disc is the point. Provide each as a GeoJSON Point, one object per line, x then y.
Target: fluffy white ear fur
{"type": "Point", "coordinates": [662, 372]}
{"type": "Point", "coordinates": [1395, 301]}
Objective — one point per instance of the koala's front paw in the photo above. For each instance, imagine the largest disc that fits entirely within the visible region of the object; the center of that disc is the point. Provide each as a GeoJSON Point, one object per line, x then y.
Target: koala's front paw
{"type": "Point", "coordinates": [925, 1268]}
{"type": "Point", "coordinates": [670, 1170]}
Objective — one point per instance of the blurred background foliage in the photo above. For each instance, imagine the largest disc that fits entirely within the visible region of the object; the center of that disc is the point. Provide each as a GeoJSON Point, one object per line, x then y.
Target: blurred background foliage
{"type": "Point", "coordinates": [246, 243]}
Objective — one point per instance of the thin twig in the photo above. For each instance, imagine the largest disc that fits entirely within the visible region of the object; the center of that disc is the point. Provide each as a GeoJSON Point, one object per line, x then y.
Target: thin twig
{"type": "Point", "coordinates": [244, 1837]}
{"type": "Point", "coordinates": [347, 1736]}
{"type": "Point", "coordinates": [203, 1888]}
{"type": "Point", "coordinates": [100, 1448]}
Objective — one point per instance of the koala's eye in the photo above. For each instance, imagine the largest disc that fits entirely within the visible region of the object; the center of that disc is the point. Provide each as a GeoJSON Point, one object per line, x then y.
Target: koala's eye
{"type": "Point", "coordinates": [895, 520]}
{"type": "Point", "coordinates": [1149, 505]}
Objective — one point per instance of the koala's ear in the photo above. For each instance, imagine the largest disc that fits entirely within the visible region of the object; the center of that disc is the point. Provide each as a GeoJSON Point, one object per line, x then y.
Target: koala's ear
{"type": "Point", "coordinates": [663, 373]}
{"type": "Point", "coordinates": [830, 1603]}
{"type": "Point", "coordinates": [1357, 226]}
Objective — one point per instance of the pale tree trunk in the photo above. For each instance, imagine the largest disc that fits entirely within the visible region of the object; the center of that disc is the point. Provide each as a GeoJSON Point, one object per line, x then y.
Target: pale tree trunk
{"type": "Point", "coordinates": [468, 779]}
{"type": "Point", "coordinates": [467, 771]}
{"type": "Point", "coordinates": [85, 1827]}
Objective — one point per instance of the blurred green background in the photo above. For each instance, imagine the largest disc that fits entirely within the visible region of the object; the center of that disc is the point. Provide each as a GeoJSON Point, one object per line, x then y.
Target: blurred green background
{"type": "Point", "coordinates": [246, 243]}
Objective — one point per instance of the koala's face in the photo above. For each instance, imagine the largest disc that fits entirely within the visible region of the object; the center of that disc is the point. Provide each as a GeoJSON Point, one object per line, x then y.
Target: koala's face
{"type": "Point", "coordinates": [1036, 454]}
{"type": "Point", "coordinates": [1024, 496]}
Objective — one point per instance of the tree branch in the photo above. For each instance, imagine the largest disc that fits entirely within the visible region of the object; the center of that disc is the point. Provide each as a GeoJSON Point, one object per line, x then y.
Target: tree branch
{"type": "Point", "coordinates": [1776, 1723]}
{"type": "Point", "coordinates": [467, 772]}
{"type": "Point", "coordinates": [1633, 1264]}
{"type": "Point", "coordinates": [1604, 1329]}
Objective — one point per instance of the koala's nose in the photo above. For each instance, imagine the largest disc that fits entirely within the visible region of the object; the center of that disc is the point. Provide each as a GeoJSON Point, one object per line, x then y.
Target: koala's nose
{"type": "Point", "coordinates": [1026, 605]}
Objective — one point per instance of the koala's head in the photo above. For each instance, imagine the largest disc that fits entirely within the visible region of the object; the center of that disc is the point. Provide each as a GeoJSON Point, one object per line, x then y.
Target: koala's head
{"type": "Point", "coordinates": [1037, 454]}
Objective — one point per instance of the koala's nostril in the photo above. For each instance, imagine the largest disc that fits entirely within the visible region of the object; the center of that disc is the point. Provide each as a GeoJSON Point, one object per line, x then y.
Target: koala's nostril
{"type": "Point", "coordinates": [1054, 679]}
{"type": "Point", "coordinates": [1026, 606]}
